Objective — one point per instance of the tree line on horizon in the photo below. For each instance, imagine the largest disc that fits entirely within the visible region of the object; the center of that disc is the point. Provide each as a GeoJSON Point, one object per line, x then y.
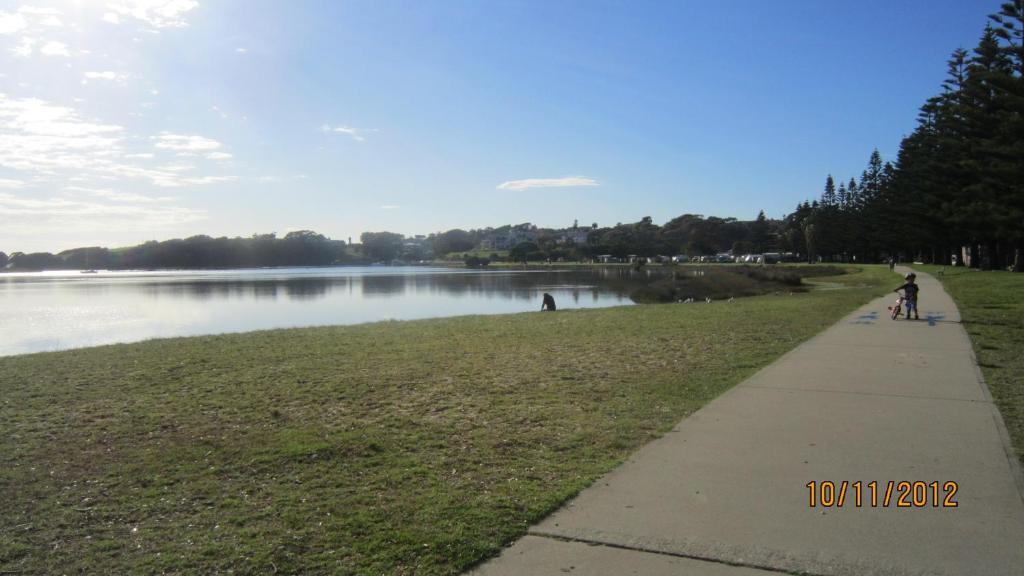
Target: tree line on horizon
{"type": "Point", "coordinates": [299, 248]}
{"type": "Point", "coordinates": [689, 234]}
{"type": "Point", "coordinates": [957, 186]}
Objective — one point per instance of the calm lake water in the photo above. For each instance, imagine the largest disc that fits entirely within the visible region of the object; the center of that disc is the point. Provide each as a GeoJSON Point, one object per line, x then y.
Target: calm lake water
{"type": "Point", "coordinates": [59, 310]}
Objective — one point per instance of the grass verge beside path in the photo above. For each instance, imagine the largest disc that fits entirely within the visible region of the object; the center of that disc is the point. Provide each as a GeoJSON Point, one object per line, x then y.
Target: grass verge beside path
{"type": "Point", "coordinates": [393, 448]}
{"type": "Point", "coordinates": [992, 310]}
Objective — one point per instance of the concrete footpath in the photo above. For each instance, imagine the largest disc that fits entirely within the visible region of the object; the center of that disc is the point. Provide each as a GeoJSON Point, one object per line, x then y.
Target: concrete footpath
{"type": "Point", "coordinates": [725, 492]}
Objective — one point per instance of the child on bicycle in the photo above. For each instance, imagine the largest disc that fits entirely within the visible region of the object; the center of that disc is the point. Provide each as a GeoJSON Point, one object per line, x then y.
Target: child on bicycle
{"type": "Point", "coordinates": [910, 291]}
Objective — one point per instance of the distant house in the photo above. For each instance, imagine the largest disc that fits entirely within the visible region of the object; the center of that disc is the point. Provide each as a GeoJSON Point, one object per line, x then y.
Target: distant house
{"type": "Point", "coordinates": [574, 236]}
{"type": "Point", "coordinates": [507, 238]}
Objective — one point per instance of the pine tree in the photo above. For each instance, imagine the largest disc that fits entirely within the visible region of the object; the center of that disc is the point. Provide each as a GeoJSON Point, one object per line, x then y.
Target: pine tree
{"type": "Point", "coordinates": [1011, 30]}
{"type": "Point", "coordinates": [828, 198]}
{"type": "Point", "coordinates": [1008, 161]}
{"type": "Point", "coordinates": [759, 233]}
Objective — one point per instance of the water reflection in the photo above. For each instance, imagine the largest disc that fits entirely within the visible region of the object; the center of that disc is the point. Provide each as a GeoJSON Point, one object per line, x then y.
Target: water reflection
{"type": "Point", "coordinates": [64, 310]}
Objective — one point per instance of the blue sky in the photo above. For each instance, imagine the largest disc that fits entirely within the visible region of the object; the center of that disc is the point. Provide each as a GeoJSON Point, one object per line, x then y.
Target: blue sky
{"type": "Point", "coordinates": [123, 121]}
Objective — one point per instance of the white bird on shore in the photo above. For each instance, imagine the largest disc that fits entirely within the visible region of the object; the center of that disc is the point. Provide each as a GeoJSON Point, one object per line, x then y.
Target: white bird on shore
{"type": "Point", "coordinates": [708, 300]}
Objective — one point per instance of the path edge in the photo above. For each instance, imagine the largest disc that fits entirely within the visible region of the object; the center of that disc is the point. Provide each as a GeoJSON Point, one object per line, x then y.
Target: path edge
{"type": "Point", "coordinates": [1016, 471]}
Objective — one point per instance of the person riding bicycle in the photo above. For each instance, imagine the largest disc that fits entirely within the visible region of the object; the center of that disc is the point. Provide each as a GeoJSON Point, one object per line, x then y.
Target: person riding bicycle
{"type": "Point", "coordinates": [910, 291]}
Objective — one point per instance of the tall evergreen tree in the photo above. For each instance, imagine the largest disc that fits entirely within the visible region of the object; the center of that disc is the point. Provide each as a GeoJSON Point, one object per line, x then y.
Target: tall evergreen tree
{"type": "Point", "coordinates": [828, 198]}
{"type": "Point", "coordinates": [1008, 160]}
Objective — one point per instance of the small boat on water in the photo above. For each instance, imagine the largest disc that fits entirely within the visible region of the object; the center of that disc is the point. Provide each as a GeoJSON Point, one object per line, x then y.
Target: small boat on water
{"type": "Point", "coordinates": [88, 271]}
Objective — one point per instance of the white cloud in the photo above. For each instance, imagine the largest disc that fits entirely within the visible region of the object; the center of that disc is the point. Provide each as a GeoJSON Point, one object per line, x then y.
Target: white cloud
{"type": "Point", "coordinates": [111, 18]}
{"type": "Point", "coordinates": [105, 75]}
{"type": "Point", "coordinates": [219, 156]}
{"type": "Point", "coordinates": [241, 50]}
{"type": "Point", "coordinates": [185, 142]}
{"type": "Point", "coordinates": [390, 207]}
{"type": "Point", "coordinates": [54, 48]}
{"type": "Point", "coordinates": [108, 75]}
{"type": "Point", "coordinates": [156, 13]}
{"type": "Point", "coordinates": [25, 48]}
{"type": "Point", "coordinates": [145, 155]}
{"type": "Point", "coordinates": [31, 216]}
{"type": "Point", "coordinates": [12, 23]}
{"type": "Point", "coordinates": [268, 179]}
{"type": "Point", "coordinates": [567, 182]}
{"type": "Point", "coordinates": [11, 183]}
{"type": "Point", "coordinates": [43, 16]}
{"type": "Point", "coordinates": [53, 143]}
{"type": "Point", "coordinates": [36, 136]}
{"type": "Point", "coordinates": [176, 167]}
{"type": "Point", "coordinates": [355, 133]}
{"type": "Point", "coordinates": [176, 182]}
{"type": "Point", "coordinates": [116, 196]}
{"type": "Point", "coordinates": [28, 19]}
{"type": "Point", "coordinates": [37, 11]}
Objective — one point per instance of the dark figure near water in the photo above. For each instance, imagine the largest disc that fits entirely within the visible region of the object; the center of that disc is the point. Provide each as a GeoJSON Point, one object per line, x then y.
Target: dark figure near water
{"type": "Point", "coordinates": [549, 303]}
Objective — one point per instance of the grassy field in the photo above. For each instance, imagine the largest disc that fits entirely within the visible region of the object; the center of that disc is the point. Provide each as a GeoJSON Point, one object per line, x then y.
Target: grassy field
{"type": "Point", "coordinates": [392, 448]}
{"type": "Point", "coordinates": [992, 308]}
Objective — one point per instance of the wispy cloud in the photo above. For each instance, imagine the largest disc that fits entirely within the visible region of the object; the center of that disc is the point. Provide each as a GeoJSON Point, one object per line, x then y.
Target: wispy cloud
{"type": "Point", "coordinates": [25, 48]}
{"type": "Point", "coordinates": [53, 143]}
{"type": "Point", "coordinates": [39, 137]}
{"type": "Point", "coordinates": [267, 179]}
{"type": "Point", "coordinates": [31, 22]}
{"type": "Point", "coordinates": [10, 183]}
{"type": "Point", "coordinates": [54, 48]}
{"type": "Point", "coordinates": [23, 215]}
{"type": "Point", "coordinates": [116, 196]}
{"type": "Point", "coordinates": [156, 13]}
{"type": "Point", "coordinates": [12, 23]}
{"type": "Point", "coordinates": [355, 133]}
{"type": "Point", "coordinates": [241, 50]}
{"type": "Point", "coordinates": [107, 75]}
{"type": "Point", "coordinates": [176, 182]}
{"type": "Point", "coordinates": [185, 142]}
{"type": "Point", "coordinates": [176, 167]}
{"type": "Point", "coordinates": [566, 182]}
{"type": "Point", "coordinates": [390, 207]}
{"type": "Point", "coordinates": [43, 16]}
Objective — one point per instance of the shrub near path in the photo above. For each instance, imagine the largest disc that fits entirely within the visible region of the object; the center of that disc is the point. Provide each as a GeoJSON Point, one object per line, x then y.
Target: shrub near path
{"type": "Point", "coordinates": [392, 448]}
{"type": "Point", "coordinates": [993, 314]}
